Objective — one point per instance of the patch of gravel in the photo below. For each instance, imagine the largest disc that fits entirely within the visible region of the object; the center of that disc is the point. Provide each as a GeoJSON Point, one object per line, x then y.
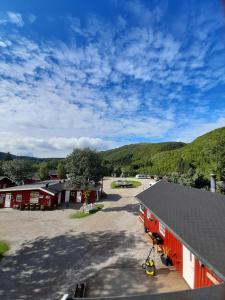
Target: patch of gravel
{"type": "Point", "coordinates": [49, 246]}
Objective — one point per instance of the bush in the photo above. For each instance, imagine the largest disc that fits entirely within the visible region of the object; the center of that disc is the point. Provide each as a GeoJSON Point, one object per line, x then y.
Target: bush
{"type": "Point", "coordinates": [135, 184]}
{"type": "Point", "coordinates": [81, 214]}
{"type": "Point", "coordinates": [3, 248]}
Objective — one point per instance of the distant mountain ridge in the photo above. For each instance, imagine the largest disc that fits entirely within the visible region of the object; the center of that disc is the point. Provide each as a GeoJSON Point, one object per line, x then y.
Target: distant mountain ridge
{"type": "Point", "coordinates": [165, 158]}
{"type": "Point", "coordinates": [13, 156]}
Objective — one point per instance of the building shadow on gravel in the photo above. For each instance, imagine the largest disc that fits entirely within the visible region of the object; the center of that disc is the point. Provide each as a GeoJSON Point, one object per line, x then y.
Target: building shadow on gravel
{"type": "Point", "coordinates": [131, 208]}
{"type": "Point", "coordinates": [112, 197]}
{"type": "Point", "coordinates": [48, 268]}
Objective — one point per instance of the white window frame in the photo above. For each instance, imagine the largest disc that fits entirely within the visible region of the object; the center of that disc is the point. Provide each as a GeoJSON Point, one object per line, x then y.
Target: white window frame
{"type": "Point", "coordinates": [34, 197]}
{"type": "Point", "coordinates": [162, 229]}
{"type": "Point", "coordinates": [149, 215]}
{"type": "Point", "coordinates": [20, 196]}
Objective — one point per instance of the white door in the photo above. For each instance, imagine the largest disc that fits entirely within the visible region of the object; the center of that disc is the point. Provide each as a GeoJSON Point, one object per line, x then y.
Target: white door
{"type": "Point", "coordinates": [188, 266]}
{"type": "Point", "coordinates": [8, 200]}
{"type": "Point", "coordinates": [67, 196]}
{"type": "Point", "coordinates": [79, 196]}
{"type": "Point", "coordinates": [59, 197]}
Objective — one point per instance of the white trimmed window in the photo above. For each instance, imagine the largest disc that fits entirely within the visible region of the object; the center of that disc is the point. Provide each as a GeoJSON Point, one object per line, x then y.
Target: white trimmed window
{"type": "Point", "coordinates": [162, 229]}
{"type": "Point", "coordinates": [149, 215]}
{"type": "Point", "coordinates": [18, 198]}
{"type": "Point", "coordinates": [34, 197]}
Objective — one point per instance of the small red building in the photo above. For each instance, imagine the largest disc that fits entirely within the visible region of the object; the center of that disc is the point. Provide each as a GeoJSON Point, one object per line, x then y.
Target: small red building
{"type": "Point", "coordinates": [191, 225]}
{"type": "Point", "coordinates": [6, 182]}
{"type": "Point", "coordinates": [53, 175]}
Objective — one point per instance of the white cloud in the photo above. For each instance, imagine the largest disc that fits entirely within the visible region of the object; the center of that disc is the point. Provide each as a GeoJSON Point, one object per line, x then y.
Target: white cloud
{"type": "Point", "coordinates": [32, 18]}
{"type": "Point", "coordinates": [3, 44]}
{"type": "Point", "coordinates": [57, 146]}
{"type": "Point", "coordinates": [15, 18]}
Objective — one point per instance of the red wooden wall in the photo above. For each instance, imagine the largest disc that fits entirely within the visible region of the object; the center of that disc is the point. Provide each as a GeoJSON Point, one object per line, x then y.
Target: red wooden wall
{"type": "Point", "coordinates": [175, 250]}
{"type": "Point", "coordinates": [171, 245]}
{"type": "Point", "coordinates": [202, 274]}
{"type": "Point", "coordinates": [73, 196]}
{"type": "Point", "coordinates": [151, 224]}
{"type": "Point", "coordinates": [5, 183]}
{"type": "Point", "coordinates": [44, 198]}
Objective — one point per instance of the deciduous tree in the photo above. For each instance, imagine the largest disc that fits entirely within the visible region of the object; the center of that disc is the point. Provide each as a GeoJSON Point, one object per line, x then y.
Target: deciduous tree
{"type": "Point", "coordinates": [84, 166]}
{"type": "Point", "coordinates": [18, 169]}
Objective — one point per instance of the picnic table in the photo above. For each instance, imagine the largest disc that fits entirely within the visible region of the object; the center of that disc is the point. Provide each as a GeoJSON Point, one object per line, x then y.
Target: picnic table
{"type": "Point", "coordinates": [124, 184]}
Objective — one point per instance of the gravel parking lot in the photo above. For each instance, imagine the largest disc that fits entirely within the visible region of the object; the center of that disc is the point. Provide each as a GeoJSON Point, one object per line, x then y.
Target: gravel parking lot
{"type": "Point", "coordinates": [50, 253]}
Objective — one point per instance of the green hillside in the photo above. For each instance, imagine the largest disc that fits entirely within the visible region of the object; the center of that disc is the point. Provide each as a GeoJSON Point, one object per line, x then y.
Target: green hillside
{"type": "Point", "coordinates": [136, 157]}
{"type": "Point", "coordinates": [166, 158]}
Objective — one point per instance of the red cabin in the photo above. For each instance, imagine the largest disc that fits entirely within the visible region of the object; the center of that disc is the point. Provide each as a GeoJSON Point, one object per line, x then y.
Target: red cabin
{"type": "Point", "coordinates": [189, 222]}
{"type": "Point", "coordinates": [49, 193]}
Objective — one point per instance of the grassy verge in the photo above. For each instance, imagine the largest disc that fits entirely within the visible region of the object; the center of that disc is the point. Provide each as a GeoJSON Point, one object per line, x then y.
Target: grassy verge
{"type": "Point", "coordinates": [3, 248]}
{"type": "Point", "coordinates": [133, 182]}
{"type": "Point", "coordinates": [81, 214]}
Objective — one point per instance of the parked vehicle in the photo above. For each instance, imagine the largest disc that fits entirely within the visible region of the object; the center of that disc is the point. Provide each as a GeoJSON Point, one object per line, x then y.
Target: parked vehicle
{"type": "Point", "coordinates": [141, 176]}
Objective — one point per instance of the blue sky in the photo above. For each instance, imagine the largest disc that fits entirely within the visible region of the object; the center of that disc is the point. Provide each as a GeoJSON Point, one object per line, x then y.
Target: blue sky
{"type": "Point", "coordinates": [104, 73]}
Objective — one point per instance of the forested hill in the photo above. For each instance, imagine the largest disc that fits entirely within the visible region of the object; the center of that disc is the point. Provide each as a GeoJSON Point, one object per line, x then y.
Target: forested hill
{"type": "Point", "coordinates": [166, 158]}
{"type": "Point", "coordinates": [136, 158]}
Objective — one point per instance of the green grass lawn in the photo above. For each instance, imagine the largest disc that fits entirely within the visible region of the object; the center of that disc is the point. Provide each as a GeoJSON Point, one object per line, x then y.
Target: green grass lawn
{"type": "Point", "coordinates": [3, 248]}
{"type": "Point", "coordinates": [81, 214]}
{"type": "Point", "coordinates": [134, 183]}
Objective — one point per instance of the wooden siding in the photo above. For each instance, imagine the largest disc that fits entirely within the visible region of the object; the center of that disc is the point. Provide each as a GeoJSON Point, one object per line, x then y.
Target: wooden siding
{"type": "Point", "coordinates": [204, 276]}
{"type": "Point", "coordinates": [44, 198]}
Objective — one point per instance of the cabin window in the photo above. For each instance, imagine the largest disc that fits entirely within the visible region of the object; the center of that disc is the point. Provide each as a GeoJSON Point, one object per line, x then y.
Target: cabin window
{"type": "Point", "coordinates": [149, 215]}
{"type": "Point", "coordinates": [34, 197]}
{"type": "Point", "coordinates": [162, 229]}
{"type": "Point", "coordinates": [1, 199]}
{"type": "Point", "coordinates": [18, 198]}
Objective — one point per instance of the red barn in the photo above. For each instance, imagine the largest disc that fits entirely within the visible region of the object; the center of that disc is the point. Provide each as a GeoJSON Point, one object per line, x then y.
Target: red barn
{"type": "Point", "coordinates": [191, 224]}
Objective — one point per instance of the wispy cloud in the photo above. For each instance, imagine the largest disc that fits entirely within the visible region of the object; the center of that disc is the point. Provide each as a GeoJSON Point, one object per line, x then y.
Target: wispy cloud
{"type": "Point", "coordinates": [109, 83]}
{"type": "Point", "coordinates": [11, 17]}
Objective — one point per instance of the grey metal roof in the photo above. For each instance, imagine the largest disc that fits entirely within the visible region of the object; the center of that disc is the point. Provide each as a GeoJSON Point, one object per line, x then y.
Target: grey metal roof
{"type": "Point", "coordinates": [216, 292]}
{"type": "Point", "coordinates": [51, 186]}
{"type": "Point", "coordinates": [3, 177]}
{"type": "Point", "coordinates": [195, 216]}
{"type": "Point", "coordinates": [52, 172]}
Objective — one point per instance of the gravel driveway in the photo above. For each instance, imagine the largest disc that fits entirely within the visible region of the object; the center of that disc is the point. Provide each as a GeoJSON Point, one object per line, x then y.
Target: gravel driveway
{"type": "Point", "coordinates": [51, 252]}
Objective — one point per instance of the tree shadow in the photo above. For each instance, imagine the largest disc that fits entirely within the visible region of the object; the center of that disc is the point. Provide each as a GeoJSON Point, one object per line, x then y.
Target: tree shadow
{"type": "Point", "coordinates": [48, 268]}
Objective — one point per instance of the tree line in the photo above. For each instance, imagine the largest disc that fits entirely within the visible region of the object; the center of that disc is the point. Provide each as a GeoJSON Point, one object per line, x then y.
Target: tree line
{"type": "Point", "coordinates": [83, 166]}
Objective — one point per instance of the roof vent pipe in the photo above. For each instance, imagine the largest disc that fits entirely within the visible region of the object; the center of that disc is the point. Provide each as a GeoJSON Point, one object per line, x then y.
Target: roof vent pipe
{"type": "Point", "coordinates": [213, 183]}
